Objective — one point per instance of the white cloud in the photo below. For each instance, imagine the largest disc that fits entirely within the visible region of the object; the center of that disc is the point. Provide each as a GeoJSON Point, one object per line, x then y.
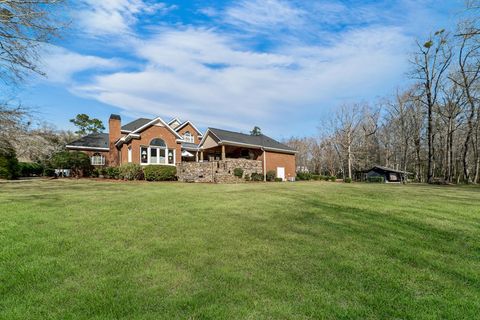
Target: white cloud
{"type": "Point", "coordinates": [261, 14]}
{"type": "Point", "coordinates": [116, 16]}
{"type": "Point", "coordinates": [203, 75]}
{"type": "Point", "coordinates": [61, 64]}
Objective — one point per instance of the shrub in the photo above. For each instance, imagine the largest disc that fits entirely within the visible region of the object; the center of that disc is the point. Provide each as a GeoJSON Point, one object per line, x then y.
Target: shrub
{"type": "Point", "coordinates": [160, 173]}
{"type": "Point", "coordinates": [304, 176]}
{"type": "Point", "coordinates": [28, 169]}
{"type": "Point", "coordinates": [333, 178]}
{"type": "Point", "coordinates": [271, 175]}
{"type": "Point", "coordinates": [247, 177]}
{"type": "Point", "coordinates": [325, 178]}
{"type": "Point", "coordinates": [278, 180]}
{"type": "Point", "coordinates": [78, 162]}
{"type": "Point", "coordinates": [130, 171]}
{"type": "Point", "coordinates": [256, 176]}
{"type": "Point", "coordinates": [375, 179]}
{"type": "Point", "coordinates": [48, 172]}
{"type": "Point", "coordinates": [110, 172]}
{"type": "Point", "coordinates": [9, 168]}
{"type": "Point", "coordinates": [347, 180]}
{"type": "Point", "coordinates": [316, 177]}
{"type": "Point", "coordinates": [238, 172]}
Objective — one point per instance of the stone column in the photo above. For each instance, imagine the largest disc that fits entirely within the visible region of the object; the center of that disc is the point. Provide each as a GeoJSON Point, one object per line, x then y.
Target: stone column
{"type": "Point", "coordinates": [223, 152]}
{"type": "Point", "coordinates": [201, 156]}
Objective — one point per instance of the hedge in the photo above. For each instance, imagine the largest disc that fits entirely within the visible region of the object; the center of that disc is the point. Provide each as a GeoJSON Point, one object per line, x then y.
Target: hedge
{"type": "Point", "coordinates": [130, 171]}
{"type": "Point", "coordinates": [160, 173]}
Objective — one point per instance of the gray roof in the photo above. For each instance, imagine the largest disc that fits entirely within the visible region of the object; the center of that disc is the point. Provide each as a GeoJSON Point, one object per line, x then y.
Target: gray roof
{"type": "Point", "coordinates": [94, 140]}
{"type": "Point", "coordinates": [135, 124]}
{"type": "Point", "coordinates": [388, 169]}
{"type": "Point", "coordinates": [260, 141]}
{"type": "Point", "coordinates": [189, 146]}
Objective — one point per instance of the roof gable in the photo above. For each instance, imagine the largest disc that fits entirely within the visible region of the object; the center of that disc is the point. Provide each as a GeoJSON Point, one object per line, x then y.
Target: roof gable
{"type": "Point", "coordinates": [183, 125]}
{"type": "Point", "coordinates": [260, 141]}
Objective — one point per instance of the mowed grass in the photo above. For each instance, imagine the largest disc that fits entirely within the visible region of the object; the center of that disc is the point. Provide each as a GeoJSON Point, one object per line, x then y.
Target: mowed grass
{"type": "Point", "coordinates": [108, 250]}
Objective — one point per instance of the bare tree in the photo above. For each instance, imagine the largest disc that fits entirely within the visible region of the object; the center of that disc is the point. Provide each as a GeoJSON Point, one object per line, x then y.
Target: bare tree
{"type": "Point", "coordinates": [468, 78]}
{"type": "Point", "coordinates": [346, 123]}
{"type": "Point", "coordinates": [430, 65]}
{"type": "Point", "coordinates": [24, 26]}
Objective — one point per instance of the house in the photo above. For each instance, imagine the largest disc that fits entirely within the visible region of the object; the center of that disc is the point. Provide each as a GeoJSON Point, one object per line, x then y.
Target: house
{"type": "Point", "coordinates": [156, 142]}
{"type": "Point", "coordinates": [389, 175]}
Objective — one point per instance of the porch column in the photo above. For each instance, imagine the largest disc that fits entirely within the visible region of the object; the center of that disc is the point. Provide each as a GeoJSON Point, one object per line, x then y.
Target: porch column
{"type": "Point", "coordinates": [223, 152]}
{"type": "Point", "coordinates": [264, 166]}
{"type": "Point", "coordinates": [201, 156]}
{"type": "Point", "coordinates": [196, 156]}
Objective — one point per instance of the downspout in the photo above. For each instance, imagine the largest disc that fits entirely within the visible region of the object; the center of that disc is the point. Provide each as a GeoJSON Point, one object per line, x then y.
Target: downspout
{"type": "Point", "coordinates": [264, 165]}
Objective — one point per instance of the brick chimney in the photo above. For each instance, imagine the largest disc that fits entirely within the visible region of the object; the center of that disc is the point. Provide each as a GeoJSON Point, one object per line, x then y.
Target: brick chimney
{"type": "Point", "coordinates": [114, 133]}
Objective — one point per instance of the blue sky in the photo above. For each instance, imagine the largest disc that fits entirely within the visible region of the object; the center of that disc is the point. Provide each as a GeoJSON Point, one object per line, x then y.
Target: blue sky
{"type": "Point", "coordinates": [284, 65]}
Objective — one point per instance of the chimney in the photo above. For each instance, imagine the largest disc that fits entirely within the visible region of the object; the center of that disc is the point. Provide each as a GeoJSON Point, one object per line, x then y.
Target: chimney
{"type": "Point", "coordinates": [114, 133]}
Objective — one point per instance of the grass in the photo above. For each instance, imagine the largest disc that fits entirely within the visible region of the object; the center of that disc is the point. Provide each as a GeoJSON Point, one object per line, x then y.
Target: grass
{"type": "Point", "coordinates": [105, 250]}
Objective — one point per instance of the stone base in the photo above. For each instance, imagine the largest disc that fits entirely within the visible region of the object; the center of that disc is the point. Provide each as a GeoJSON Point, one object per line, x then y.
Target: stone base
{"type": "Point", "coordinates": [217, 171]}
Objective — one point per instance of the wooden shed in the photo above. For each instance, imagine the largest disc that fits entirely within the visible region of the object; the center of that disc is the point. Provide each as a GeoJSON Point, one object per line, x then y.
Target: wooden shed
{"type": "Point", "coordinates": [389, 175]}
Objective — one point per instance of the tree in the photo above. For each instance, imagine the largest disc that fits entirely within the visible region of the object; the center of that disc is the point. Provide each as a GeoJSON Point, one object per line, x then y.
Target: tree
{"type": "Point", "coordinates": [24, 27]}
{"type": "Point", "coordinates": [256, 131]}
{"type": "Point", "coordinates": [9, 168]}
{"type": "Point", "coordinates": [78, 162]}
{"type": "Point", "coordinates": [430, 64]}
{"type": "Point", "coordinates": [87, 125]}
{"type": "Point", "coordinates": [346, 124]}
{"type": "Point", "coordinates": [14, 122]}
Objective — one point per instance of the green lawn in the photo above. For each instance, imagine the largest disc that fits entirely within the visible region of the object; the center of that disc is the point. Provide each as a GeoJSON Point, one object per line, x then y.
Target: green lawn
{"type": "Point", "coordinates": [109, 250]}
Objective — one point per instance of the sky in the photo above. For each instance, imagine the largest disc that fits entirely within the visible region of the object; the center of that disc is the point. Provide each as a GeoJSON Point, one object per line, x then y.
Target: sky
{"type": "Point", "coordinates": [282, 65]}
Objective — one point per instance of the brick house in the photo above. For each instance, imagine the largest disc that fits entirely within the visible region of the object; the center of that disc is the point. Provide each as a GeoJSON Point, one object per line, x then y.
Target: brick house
{"type": "Point", "coordinates": [156, 142]}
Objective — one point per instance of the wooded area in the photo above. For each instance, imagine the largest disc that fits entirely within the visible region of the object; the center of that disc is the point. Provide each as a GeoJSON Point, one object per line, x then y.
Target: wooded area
{"type": "Point", "coordinates": [431, 129]}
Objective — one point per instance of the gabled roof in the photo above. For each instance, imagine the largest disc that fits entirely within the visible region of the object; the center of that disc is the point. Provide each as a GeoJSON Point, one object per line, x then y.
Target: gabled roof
{"type": "Point", "coordinates": [237, 138]}
{"type": "Point", "coordinates": [94, 141]}
{"type": "Point", "coordinates": [173, 120]}
{"type": "Point", "coordinates": [136, 133]}
{"type": "Point", "coordinates": [135, 124]}
{"type": "Point", "coordinates": [190, 123]}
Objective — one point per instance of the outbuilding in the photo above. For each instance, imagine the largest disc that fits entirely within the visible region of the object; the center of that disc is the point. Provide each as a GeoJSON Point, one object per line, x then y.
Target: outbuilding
{"type": "Point", "coordinates": [389, 175]}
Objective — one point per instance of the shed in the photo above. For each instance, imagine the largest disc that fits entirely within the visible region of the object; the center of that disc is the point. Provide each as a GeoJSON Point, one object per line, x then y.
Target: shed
{"type": "Point", "coordinates": [389, 175]}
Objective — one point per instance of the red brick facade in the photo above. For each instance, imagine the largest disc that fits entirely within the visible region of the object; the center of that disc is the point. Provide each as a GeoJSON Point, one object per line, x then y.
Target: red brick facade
{"type": "Point", "coordinates": [280, 160]}
{"type": "Point", "coordinates": [127, 147]}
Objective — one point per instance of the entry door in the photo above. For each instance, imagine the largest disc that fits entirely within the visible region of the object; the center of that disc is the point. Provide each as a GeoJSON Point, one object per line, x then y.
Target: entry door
{"type": "Point", "coordinates": [281, 173]}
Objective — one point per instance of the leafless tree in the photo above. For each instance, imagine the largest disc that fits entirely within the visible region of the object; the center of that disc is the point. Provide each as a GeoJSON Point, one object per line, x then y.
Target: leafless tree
{"type": "Point", "coordinates": [24, 27]}
{"type": "Point", "coordinates": [431, 63]}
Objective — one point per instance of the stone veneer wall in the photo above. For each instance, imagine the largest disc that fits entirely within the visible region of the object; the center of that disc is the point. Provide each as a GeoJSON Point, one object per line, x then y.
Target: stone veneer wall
{"type": "Point", "coordinates": [217, 171]}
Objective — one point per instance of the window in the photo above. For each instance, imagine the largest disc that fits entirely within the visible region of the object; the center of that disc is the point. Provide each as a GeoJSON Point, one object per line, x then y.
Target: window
{"type": "Point", "coordinates": [144, 155]}
{"type": "Point", "coordinates": [187, 136]}
{"type": "Point", "coordinates": [97, 159]}
{"type": "Point", "coordinates": [157, 153]}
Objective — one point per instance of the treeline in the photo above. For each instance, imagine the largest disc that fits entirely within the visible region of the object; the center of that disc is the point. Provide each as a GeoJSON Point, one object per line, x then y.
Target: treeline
{"type": "Point", "coordinates": [431, 129]}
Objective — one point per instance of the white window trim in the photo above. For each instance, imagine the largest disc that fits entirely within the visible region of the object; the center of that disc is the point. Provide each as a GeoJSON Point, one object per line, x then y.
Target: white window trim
{"type": "Point", "coordinates": [188, 138]}
{"type": "Point", "coordinates": [94, 158]}
{"type": "Point", "coordinates": [158, 156]}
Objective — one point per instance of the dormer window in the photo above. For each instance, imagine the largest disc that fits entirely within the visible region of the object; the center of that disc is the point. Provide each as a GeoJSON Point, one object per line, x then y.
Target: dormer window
{"type": "Point", "coordinates": [187, 136]}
